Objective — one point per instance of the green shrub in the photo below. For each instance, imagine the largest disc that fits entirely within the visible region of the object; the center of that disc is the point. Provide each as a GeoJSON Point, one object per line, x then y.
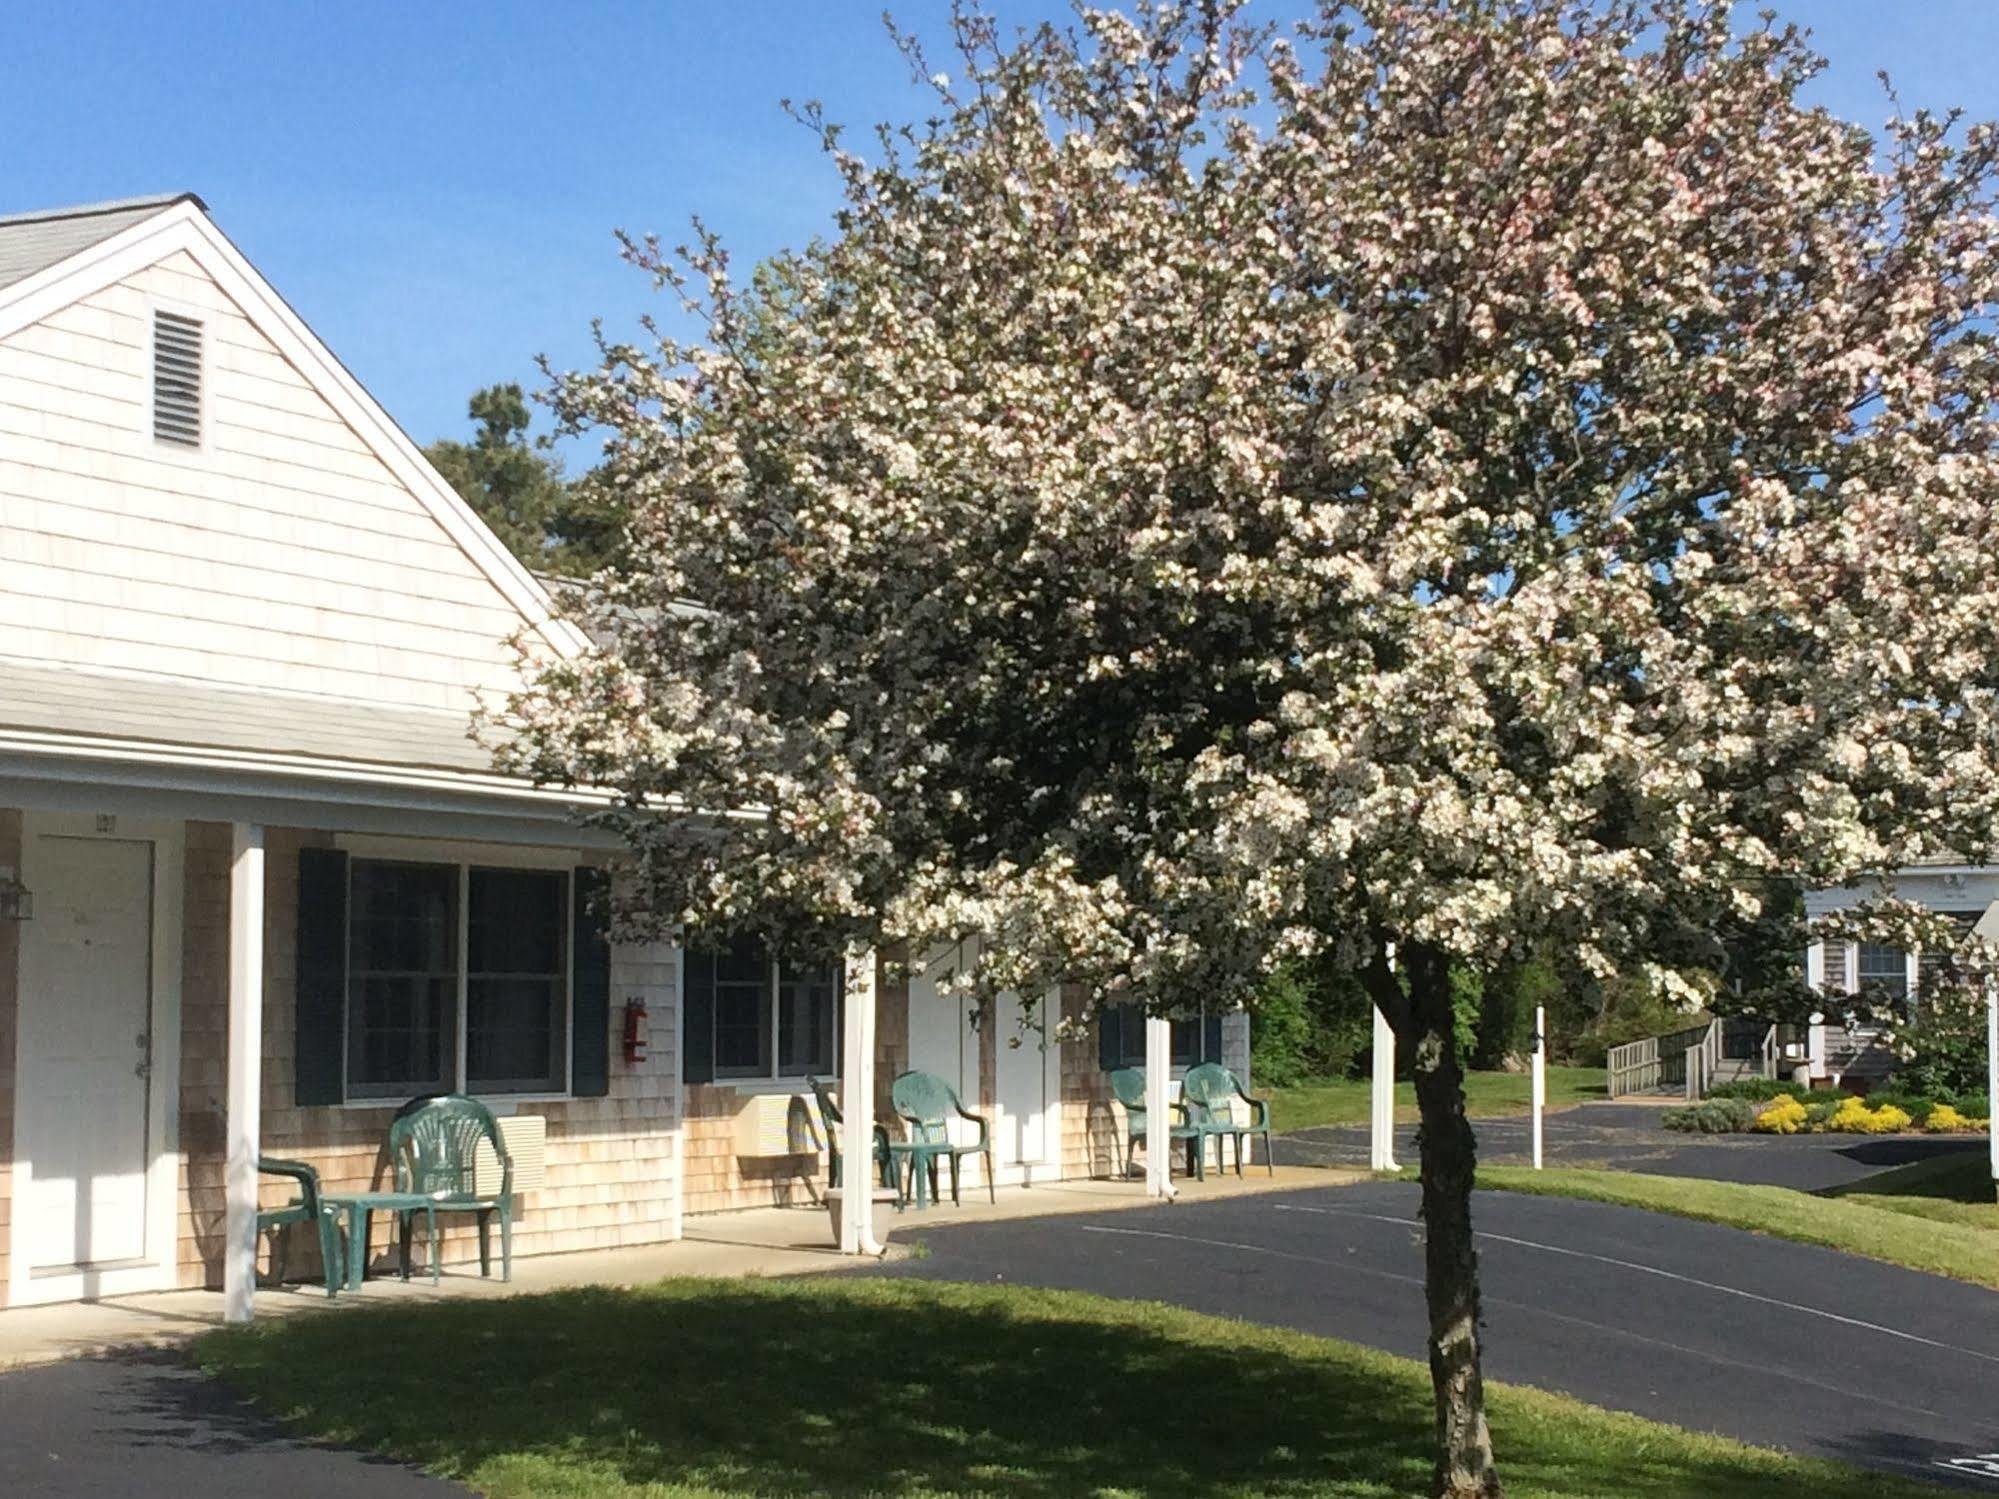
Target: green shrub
{"type": "Point", "coordinates": [1467, 1005]}
{"type": "Point", "coordinates": [1759, 1089]}
{"type": "Point", "coordinates": [1506, 1019]}
{"type": "Point", "coordinates": [1916, 1105]}
{"type": "Point", "coordinates": [1713, 1116]}
{"type": "Point", "coordinates": [1309, 1023]}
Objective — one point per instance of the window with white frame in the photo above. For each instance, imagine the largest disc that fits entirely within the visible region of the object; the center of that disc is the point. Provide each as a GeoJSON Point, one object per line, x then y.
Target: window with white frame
{"type": "Point", "coordinates": [1196, 1038]}
{"type": "Point", "coordinates": [458, 979]}
{"type": "Point", "coordinates": [1885, 969]}
{"type": "Point", "coordinates": [767, 1020]}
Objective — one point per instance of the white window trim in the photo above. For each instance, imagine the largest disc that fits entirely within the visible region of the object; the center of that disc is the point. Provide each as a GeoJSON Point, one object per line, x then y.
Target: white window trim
{"type": "Point", "coordinates": [464, 856]}
{"type": "Point", "coordinates": [775, 1080]}
{"type": "Point", "coordinates": [1179, 1070]}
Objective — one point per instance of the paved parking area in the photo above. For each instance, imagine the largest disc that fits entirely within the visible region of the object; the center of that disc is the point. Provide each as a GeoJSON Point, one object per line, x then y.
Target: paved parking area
{"type": "Point", "coordinates": [1781, 1344]}
{"type": "Point", "coordinates": [147, 1424]}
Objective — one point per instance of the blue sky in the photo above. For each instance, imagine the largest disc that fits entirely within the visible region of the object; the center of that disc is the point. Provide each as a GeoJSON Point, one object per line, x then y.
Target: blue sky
{"type": "Point", "coordinates": [434, 186]}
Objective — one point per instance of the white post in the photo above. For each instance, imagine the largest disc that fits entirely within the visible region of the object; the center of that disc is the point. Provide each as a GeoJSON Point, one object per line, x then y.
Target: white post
{"type": "Point", "coordinates": [857, 1107]}
{"type": "Point", "coordinates": [1992, 1073]}
{"type": "Point", "coordinates": [1540, 1076]}
{"type": "Point", "coordinates": [1381, 1121]}
{"type": "Point", "coordinates": [245, 1069]}
{"type": "Point", "coordinates": [1158, 1107]}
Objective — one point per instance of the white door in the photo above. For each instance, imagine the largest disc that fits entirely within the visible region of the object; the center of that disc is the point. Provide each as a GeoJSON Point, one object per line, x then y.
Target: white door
{"type": "Point", "coordinates": [87, 1125]}
{"type": "Point", "coordinates": [943, 1040]}
{"type": "Point", "coordinates": [1028, 1077]}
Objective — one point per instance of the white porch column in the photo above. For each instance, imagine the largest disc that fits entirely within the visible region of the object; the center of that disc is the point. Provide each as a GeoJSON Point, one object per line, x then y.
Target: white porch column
{"type": "Point", "coordinates": [1158, 1106]}
{"type": "Point", "coordinates": [1992, 1073]}
{"type": "Point", "coordinates": [1381, 1117]}
{"type": "Point", "coordinates": [857, 1107]}
{"type": "Point", "coordinates": [246, 1060]}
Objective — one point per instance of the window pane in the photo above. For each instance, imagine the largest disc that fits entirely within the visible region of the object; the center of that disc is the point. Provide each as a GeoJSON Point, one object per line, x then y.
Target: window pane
{"type": "Point", "coordinates": [402, 976]}
{"type": "Point", "coordinates": [742, 1010]}
{"type": "Point", "coordinates": [1884, 968]}
{"type": "Point", "coordinates": [516, 980]}
{"type": "Point", "coordinates": [806, 1005]}
{"type": "Point", "coordinates": [1186, 1049]}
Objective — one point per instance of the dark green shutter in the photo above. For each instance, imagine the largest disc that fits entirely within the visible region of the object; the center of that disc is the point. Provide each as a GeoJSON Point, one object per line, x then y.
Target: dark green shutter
{"type": "Point", "coordinates": [590, 1003]}
{"type": "Point", "coordinates": [321, 1040]}
{"type": "Point", "coordinates": [1110, 1038]}
{"type": "Point", "coordinates": [697, 1009]}
{"type": "Point", "coordinates": [1211, 1037]}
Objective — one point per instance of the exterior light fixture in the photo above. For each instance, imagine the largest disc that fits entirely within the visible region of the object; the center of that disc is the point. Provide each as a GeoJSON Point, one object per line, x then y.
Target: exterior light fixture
{"type": "Point", "coordinates": [17, 902]}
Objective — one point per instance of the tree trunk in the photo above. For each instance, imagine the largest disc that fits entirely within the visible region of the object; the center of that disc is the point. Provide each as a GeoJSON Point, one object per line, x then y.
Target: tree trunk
{"type": "Point", "coordinates": [1465, 1468]}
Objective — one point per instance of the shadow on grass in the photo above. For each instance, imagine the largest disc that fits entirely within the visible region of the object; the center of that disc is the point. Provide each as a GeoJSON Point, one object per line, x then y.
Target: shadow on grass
{"type": "Point", "coordinates": [887, 1388]}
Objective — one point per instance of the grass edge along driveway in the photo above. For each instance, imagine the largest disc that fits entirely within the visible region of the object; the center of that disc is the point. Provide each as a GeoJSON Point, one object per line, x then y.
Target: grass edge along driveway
{"type": "Point", "coordinates": [901, 1388]}
{"type": "Point", "coordinates": [1488, 1095]}
{"type": "Point", "coordinates": [1958, 1250]}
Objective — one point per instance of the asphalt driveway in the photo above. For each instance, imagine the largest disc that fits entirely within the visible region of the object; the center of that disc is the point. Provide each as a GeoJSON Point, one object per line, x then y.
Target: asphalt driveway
{"type": "Point", "coordinates": [1627, 1137]}
{"type": "Point", "coordinates": [148, 1425]}
{"type": "Point", "coordinates": [1781, 1344]}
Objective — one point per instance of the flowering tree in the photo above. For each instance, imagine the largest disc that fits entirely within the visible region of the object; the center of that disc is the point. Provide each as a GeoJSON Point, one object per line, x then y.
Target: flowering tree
{"type": "Point", "coordinates": [1465, 475]}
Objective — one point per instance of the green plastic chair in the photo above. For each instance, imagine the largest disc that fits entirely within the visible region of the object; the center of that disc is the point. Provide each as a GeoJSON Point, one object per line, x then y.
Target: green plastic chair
{"type": "Point", "coordinates": [433, 1146]}
{"type": "Point", "coordinates": [308, 1207]}
{"type": "Point", "coordinates": [830, 1119]}
{"type": "Point", "coordinates": [1128, 1087]}
{"type": "Point", "coordinates": [925, 1102]}
{"type": "Point", "coordinates": [1210, 1091]}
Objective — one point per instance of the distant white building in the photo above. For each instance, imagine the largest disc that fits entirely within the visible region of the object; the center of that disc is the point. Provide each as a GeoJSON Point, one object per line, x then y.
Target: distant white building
{"type": "Point", "coordinates": [1964, 891]}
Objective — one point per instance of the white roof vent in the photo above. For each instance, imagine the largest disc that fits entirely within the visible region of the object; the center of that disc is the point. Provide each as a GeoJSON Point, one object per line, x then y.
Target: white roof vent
{"type": "Point", "coordinates": [176, 379]}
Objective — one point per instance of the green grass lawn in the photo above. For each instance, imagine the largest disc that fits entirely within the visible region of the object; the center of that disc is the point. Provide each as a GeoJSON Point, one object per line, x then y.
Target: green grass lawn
{"type": "Point", "coordinates": [1958, 1248]}
{"type": "Point", "coordinates": [851, 1387]}
{"type": "Point", "coordinates": [1955, 1188]}
{"type": "Point", "coordinates": [1489, 1095]}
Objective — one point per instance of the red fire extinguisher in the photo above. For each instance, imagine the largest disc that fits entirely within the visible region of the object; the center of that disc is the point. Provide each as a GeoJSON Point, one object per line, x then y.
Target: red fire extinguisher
{"type": "Point", "coordinates": [635, 1030]}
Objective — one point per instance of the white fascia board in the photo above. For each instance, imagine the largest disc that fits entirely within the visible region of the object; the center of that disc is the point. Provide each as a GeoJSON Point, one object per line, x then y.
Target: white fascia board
{"type": "Point", "coordinates": [139, 788]}
{"type": "Point", "coordinates": [184, 227]}
{"type": "Point", "coordinates": [29, 758]}
{"type": "Point", "coordinates": [34, 746]}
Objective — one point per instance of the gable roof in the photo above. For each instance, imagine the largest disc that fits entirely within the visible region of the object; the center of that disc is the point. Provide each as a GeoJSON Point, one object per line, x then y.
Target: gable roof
{"type": "Point", "coordinates": [177, 731]}
{"type": "Point", "coordinates": [150, 229]}
{"type": "Point", "coordinates": [31, 242]}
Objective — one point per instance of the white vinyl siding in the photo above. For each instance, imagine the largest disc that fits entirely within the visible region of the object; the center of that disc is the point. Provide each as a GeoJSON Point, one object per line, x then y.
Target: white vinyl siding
{"type": "Point", "coordinates": [280, 553]}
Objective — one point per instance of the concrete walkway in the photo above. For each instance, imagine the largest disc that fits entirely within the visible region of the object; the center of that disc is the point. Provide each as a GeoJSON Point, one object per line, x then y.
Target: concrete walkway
{"type": "Point", "coordinates": [758, 1241]}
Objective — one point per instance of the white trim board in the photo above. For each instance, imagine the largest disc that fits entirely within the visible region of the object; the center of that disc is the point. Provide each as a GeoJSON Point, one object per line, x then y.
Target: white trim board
{"type": "Point", "coordinates": [183, 227]}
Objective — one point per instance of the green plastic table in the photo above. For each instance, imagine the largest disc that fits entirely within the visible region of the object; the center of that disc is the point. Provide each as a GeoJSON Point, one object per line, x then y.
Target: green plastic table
{"type": "Point", "coordinates": [359, 1209]}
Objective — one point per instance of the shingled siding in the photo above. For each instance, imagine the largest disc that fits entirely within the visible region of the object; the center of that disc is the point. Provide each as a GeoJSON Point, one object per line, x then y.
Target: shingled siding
{"type": "Point", "coordinates": [611, 1161]}
{"type": "Point", "coordinates": [10, 969]}
{"type": "Point", "coordinates": [719, 1180]}
{"type": "Point", "coordinates": [1092, 1129]}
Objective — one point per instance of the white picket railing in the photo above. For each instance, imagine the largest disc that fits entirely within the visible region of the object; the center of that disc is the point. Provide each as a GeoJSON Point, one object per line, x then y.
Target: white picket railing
{"type": "Point", "coordinates": [1687, 1062]}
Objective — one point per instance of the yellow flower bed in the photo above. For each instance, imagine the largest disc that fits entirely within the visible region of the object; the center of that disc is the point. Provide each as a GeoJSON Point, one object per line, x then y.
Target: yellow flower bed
{"type": "Point", "coordinates": [1785, 1116]}
{"type": "Point", "coordinates": [1945, 1120]}
{"type": "Point", "coordinates": [1853, 1117]}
